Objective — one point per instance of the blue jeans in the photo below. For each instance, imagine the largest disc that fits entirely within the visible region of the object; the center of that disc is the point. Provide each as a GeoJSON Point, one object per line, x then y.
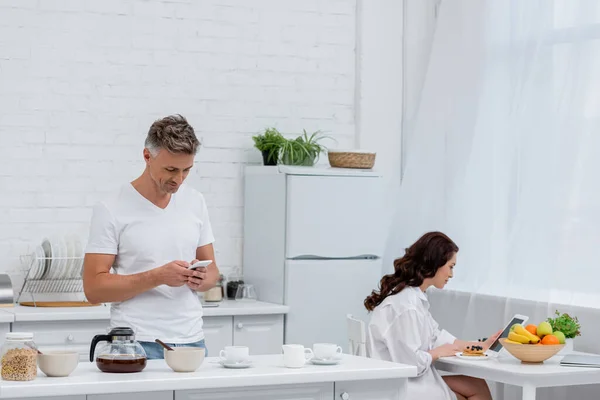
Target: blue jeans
{"type": "Point", "coordinates": [154, 351]}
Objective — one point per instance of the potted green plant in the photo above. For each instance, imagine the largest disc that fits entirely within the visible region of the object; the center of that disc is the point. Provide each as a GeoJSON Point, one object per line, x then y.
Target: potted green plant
{"type": "Point", "coordinates": [269, 144]}
{"type": "Point", "coordinates": [569, 326]}
{"type": "Point", "coordinates": [303, 150]}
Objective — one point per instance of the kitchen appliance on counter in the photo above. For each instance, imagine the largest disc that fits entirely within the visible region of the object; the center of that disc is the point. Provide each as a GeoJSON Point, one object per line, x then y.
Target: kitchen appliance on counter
{"type": "Point", "coordinates": [121, 354]}
{"type": "Point", "coordinates": [313, 240]}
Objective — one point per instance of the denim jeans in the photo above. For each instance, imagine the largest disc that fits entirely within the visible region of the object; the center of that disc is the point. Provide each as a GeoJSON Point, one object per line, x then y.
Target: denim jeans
{"type": "Point", "coordinates": [154, 351]}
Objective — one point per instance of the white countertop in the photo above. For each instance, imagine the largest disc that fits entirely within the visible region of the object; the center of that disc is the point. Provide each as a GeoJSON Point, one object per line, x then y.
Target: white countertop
{"type": "Point", "coordinates": [266, 370]}
{"type": "Point", "coordinates": [20, 313]}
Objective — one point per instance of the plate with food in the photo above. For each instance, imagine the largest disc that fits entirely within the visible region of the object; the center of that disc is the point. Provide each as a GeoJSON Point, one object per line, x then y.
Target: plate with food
{"type": "Point", "coordinates": [473, 352]}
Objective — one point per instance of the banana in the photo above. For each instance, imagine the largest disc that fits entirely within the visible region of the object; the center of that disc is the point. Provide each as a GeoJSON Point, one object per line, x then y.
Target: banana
{"type": "Point", "coordinates": [519, 330]}
{"type": "Point", "coordinates": [515, 337]}
{"type": "Point", "coordinates": [513, 342]}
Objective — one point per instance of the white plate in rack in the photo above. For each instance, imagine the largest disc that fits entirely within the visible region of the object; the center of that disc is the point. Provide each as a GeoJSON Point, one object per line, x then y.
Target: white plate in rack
{"type": "Point", "coordinates": [48, 250]}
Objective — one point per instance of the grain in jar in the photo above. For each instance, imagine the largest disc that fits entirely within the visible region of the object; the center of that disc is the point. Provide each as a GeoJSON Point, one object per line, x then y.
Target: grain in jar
{"type": "Point", "coordinates": [18, 359]}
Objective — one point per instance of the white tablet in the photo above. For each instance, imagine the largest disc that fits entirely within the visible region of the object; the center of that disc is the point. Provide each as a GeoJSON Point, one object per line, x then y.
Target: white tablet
{"type": "Point", "coordinates": [199, 264]}
{"type": "Point", "coordinates": [516, 319]}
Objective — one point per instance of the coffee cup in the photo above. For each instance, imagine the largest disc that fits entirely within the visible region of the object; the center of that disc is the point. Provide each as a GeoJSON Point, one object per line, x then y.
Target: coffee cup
{"type": "Point", "coordinates": [235, 354]}
{"type": "Point", "coordinates": [296, 355]}
{"type": "Point", "coordinates": [327, 351]}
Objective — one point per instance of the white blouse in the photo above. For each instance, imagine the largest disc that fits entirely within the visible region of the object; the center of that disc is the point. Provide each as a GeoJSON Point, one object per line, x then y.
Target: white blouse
{"type": "Point", "coordinates": [402, 330]}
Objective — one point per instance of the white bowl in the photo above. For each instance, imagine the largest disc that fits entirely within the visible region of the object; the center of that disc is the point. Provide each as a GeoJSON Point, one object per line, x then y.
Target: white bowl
{"type": "Point", "coordinates": [184, 359]}
{"type": "Point", "coordinates": [58, 363]}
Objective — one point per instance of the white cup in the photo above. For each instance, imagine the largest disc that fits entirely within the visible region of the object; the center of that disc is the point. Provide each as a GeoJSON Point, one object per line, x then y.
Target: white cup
{"type": "Point", "coordinates": [296, 355]}
{"type": "Point", "coordinates": [325, 351]}
{"type": "Point", "coordinates": [235, 353]}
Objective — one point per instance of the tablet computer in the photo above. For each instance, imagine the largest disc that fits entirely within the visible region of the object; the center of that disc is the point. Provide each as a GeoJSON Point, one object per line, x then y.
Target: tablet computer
{"type": "Point", "coordinates": [516, 319]}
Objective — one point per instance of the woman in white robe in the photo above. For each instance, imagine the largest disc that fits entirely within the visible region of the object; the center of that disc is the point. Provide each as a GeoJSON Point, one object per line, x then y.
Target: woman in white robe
{"type": "Point", "coordinates": [402, 329]}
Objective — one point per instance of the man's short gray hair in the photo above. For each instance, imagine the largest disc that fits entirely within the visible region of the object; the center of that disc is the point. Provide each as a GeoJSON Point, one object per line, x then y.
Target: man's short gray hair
{"type": "Point", "coordinates": [172, 133]}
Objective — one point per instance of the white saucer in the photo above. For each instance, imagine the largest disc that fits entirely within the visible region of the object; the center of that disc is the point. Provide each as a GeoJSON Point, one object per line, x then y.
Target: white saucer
{"type": "Point", "coordinates": [237, 365]}
{"type": "Point", "coordinates": [473, 358]}
{"type": "Point", "coordinates": [325, 361]}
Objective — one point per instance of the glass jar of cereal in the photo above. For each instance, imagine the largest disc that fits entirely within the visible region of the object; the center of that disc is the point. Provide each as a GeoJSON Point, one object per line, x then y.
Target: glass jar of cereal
{"type": "Point", "coordinates": [18, 357]}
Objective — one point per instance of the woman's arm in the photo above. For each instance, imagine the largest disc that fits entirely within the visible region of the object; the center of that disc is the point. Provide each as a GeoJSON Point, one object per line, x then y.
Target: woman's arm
{"type": "Point", "coordinates": [407, 336]}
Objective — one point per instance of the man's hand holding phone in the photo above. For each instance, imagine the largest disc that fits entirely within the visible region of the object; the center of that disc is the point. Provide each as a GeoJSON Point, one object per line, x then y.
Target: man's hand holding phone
{"type": "Point", "coordinates": [199, 269]}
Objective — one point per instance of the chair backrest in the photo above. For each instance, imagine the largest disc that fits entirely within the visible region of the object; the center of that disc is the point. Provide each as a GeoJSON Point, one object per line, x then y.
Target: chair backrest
{"type": "Point", "coordinates": [357, 336]}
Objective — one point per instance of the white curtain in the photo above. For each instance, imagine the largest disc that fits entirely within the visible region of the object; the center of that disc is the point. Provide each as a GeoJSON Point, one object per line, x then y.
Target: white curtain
{"type": "Point", "coordinates": [505, 152]}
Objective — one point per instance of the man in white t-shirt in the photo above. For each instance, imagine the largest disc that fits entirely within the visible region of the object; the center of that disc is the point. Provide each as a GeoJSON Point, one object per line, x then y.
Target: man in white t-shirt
{"type": "Point", "coordinates": [150, 231]}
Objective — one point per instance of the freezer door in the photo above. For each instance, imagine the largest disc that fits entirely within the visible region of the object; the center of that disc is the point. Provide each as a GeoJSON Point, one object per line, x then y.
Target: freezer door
{"type": "Point", "coordinates": [320, 293]}
{"type": "Point", "coordinates": [334, 216]}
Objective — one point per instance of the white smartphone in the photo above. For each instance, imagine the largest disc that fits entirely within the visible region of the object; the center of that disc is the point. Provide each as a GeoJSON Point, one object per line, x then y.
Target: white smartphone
{"type": "Point", "coordinates": [201, 264]}
{"type": "Point", "coordinates": [496, 347]}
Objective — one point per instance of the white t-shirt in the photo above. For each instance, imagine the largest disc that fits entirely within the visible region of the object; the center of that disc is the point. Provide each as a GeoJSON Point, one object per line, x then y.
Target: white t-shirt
{"type": "Point", "coordinates": [144, 236]}
{"type": "Point", "coordinates": [402, 330]}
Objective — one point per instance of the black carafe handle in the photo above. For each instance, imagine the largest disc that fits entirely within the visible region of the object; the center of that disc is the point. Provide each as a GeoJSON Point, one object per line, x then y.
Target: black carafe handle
{"type": "Point", "coordinates": [95, 340]}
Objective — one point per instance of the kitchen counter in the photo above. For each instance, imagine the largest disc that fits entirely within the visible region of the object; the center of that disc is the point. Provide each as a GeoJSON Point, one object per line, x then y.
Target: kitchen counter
{"type": "Point", "coordinates": [268, 372]}
{"type": "Point", "coordinates": [20, 313]}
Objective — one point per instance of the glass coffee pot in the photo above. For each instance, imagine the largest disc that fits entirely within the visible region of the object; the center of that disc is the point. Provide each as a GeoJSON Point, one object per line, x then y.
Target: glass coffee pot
{"type": "Point", "coordinates": [121, 354]}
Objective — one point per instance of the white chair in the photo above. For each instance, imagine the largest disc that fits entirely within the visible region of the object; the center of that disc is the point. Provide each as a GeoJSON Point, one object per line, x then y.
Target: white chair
{"type": "Point", "coordinates": [357, 336]}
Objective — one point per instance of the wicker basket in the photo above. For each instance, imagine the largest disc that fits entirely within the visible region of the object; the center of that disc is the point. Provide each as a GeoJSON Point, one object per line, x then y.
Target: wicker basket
{"type": "Point", "coordinates": [351, 159]}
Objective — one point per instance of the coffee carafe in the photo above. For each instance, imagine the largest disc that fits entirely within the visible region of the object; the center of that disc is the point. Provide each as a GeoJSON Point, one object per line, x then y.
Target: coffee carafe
{"type": "Point", "coordinates": [120, 354]}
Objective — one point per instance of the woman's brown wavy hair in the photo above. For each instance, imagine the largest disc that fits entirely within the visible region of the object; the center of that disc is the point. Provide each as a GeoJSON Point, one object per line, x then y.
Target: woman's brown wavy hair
{"type": "Point", "coordinates": [421, 260]}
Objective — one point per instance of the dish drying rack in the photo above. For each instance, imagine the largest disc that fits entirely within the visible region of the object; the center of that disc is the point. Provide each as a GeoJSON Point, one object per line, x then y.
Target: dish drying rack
{"type": "Point", "coordinates": [54, 266]}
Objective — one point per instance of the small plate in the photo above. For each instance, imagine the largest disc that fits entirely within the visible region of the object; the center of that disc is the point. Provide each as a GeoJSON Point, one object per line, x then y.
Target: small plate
{"type": "Point", "coordinates": [236, 365]}
{"type": "Point", "coordinates": [325, 361]}
{"type": "Point", "coordinates": [473, 358]}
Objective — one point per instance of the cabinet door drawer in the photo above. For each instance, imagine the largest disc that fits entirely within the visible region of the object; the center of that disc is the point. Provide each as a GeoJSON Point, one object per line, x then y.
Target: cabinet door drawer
{"type": "Point", "coordinates": [165, 395]}
{"type": "Point", "coordinates": [263, 334]}
{"type": "Point", "coordinates": [312, 391]}
{"type": "Point", "coordinates": [380, 389]}
{"type": "Point", "coordinates": [218, 333]}
{"type": "Point", "coordinates": [80, 397]}
{"type": "Point", "coordinates": [63, 335]}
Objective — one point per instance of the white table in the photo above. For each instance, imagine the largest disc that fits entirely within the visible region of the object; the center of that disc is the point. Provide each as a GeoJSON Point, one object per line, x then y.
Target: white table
{"type": "Point", "coordinates": [509, 370]}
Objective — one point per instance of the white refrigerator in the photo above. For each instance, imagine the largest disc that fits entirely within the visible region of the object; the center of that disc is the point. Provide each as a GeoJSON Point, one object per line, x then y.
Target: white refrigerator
{"type": "Point", "coordinates": [313, 240]}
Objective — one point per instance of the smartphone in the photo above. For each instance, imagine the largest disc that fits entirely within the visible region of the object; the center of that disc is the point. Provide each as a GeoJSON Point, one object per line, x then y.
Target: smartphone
{"type": "Point", "coordinates": [201, 264]}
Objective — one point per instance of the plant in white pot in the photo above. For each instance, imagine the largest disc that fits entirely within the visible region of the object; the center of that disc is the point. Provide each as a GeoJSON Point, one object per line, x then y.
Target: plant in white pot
{"type": "Point", "coordinates": [569, 327]}
{"type": "Point", "coordinates": [303, 150]}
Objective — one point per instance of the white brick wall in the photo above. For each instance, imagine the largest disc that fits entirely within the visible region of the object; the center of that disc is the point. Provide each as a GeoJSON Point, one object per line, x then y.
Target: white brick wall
{"type": "Point", "coordinates": [81, 82]}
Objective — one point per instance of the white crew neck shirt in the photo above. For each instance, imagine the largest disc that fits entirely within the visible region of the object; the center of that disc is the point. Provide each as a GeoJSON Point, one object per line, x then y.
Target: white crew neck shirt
{"type": "Point", "coordinates": [402, 330]}
{"type": "Point", "coordinates": [144, 236]}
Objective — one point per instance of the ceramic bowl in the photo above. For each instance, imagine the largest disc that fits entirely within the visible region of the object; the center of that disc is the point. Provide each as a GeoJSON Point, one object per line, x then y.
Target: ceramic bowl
{"type": "Point", "coordinates": [531, 353]}
{"type": "Point", "coordinates": [58, 363]}
{"type": "Point", "coordinates": [184, 359]}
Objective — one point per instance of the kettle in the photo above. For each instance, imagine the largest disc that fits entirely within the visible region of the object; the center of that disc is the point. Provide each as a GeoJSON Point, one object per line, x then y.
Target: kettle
{"type": "Point", "coordinates": [121, 354]}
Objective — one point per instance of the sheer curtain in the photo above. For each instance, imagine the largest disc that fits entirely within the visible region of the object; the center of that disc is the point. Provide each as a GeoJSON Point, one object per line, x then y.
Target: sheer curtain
{"type": "Point", "coordinates": [505, 152]}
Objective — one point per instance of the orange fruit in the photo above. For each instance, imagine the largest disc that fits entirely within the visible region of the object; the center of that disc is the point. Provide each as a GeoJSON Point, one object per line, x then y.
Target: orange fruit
{"type": "Point", "coordinates": [532, 329]}
{"type": "Point", "coordinates": [550, 339]}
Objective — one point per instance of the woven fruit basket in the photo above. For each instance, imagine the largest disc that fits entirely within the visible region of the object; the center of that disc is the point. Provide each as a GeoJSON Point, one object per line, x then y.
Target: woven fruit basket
{"type": "Point", "coordinates": [351, 159]}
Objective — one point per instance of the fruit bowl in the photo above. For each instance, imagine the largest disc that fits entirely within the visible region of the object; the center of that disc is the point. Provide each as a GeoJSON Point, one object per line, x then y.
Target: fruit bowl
{"type": "Point", "coordinates": [531, 353]}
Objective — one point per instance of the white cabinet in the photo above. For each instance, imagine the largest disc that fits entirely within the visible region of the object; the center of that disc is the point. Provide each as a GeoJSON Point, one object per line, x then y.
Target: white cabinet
{"type": "Point", "coordinates": [218, 333]}
{"type": "Point", "coordinates": [263, 334]}
{"type": "Point", "coordinates": [63, 335]}
{"type": "Point", "coordinates": [384, 389]}
{"type": "Point", "coordinates": [4, 327]}
{"type": "Point", "coordinates": [164, 395]}
{"type": "Point", "coordinates": [79, 397]}
{"type": "Point", "coordinates": [315, 391]}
